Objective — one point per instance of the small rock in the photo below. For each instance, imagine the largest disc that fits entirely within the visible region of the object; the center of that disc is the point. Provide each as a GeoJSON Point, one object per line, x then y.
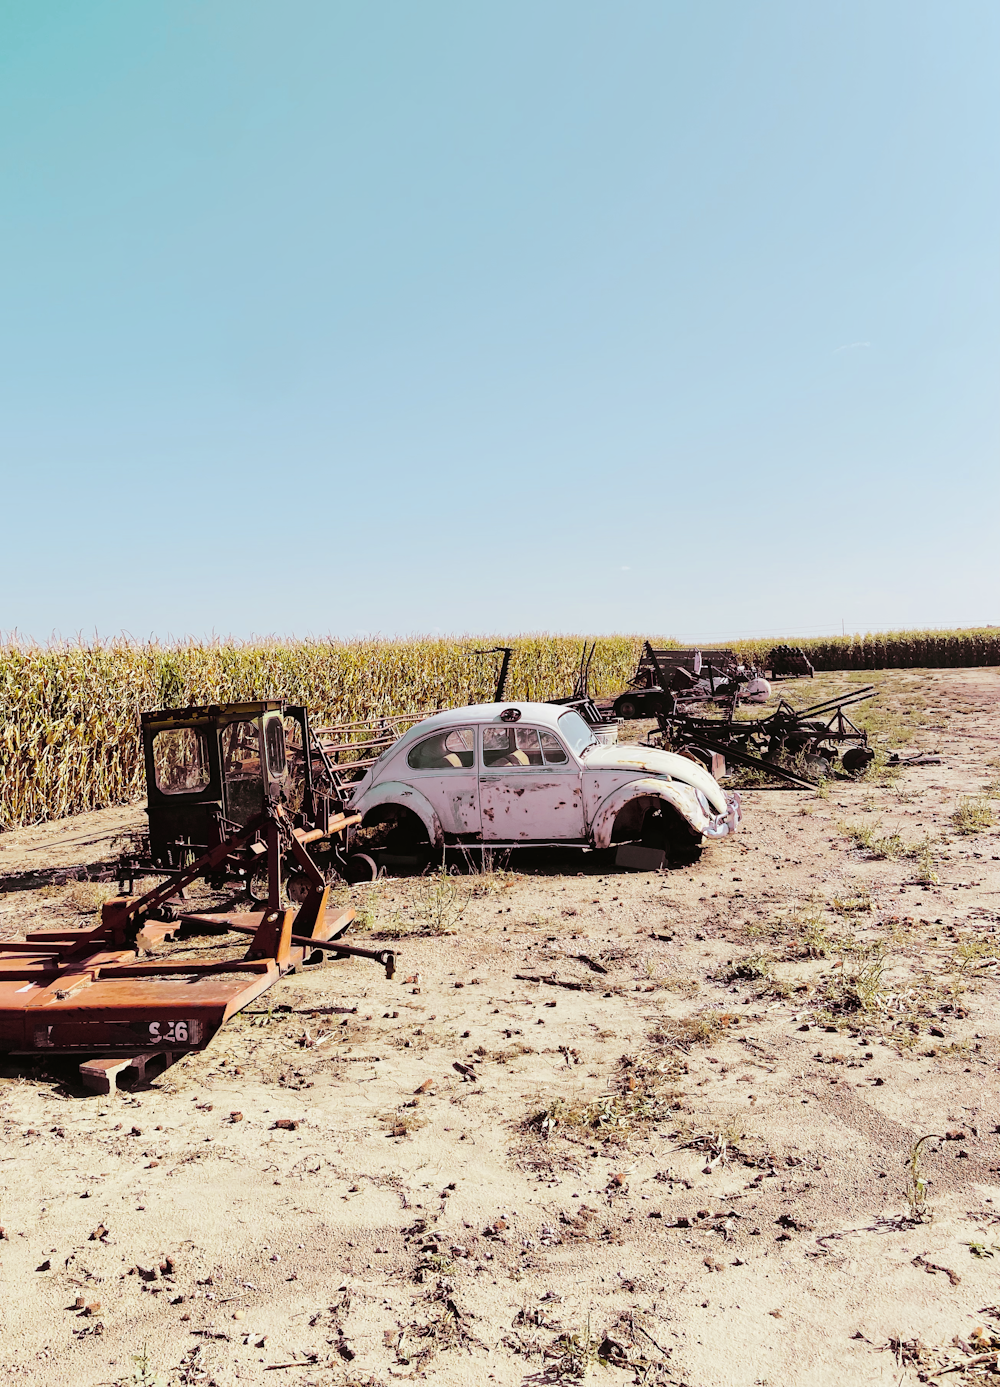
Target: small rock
{"type": "Point", "coordinates": [285, 1124]}
{"type": "Point", "coordinates": [236, 1117]}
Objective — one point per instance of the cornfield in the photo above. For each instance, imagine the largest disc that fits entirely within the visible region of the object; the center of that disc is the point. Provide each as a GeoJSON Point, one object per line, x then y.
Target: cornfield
{"type": "Point", "coordinates": [69, 714]}
{"type": "Point", "coordinates": [892, 650]}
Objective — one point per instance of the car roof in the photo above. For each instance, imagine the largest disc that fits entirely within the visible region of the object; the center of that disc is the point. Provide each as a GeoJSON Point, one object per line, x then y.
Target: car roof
{"type": "Point", "coordinates": [541, 714]}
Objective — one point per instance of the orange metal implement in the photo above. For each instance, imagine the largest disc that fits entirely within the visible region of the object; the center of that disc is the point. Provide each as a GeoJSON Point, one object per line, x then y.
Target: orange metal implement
{"type": "Point", "coordinates": [75, 992]}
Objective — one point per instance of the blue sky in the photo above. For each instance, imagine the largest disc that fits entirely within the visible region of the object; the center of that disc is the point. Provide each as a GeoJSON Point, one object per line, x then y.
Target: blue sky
{"type": "Point", "coordinates": [388, 317]}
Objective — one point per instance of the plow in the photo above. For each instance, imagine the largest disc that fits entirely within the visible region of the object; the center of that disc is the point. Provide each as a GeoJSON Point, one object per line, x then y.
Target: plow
{"type": "Point", "coordinates": [242, 796]}
{"type": "Point", "coordinates": [814, 735]}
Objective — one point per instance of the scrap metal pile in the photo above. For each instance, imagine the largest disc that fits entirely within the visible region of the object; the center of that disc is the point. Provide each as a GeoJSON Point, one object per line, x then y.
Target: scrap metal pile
{"type": "Point", "coordinates": [664, 677]}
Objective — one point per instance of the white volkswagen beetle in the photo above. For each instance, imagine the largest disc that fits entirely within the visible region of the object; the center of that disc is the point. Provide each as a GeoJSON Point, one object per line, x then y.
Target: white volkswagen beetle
{"type": "Point", "coordinates": [511, 774]}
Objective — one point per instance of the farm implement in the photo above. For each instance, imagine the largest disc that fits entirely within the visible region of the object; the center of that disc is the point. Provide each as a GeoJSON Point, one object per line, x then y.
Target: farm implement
{"type": "Point", "coordinates": [243, 796]}
{"type": "Point", "coordinates": [813, 735]}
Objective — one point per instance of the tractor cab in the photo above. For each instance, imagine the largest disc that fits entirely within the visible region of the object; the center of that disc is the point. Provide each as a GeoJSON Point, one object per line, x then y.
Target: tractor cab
{"type": "Point", "coordinates": [211, 770]}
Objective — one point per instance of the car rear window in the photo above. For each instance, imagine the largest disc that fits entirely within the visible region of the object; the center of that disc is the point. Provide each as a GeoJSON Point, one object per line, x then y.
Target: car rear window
{"type": "Point", "coordinates": [444, 751]}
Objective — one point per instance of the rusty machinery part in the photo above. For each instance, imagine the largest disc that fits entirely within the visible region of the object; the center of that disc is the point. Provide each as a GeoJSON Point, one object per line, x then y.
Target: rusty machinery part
{"type": "Point", "coordinates": [386, 958]}
{"type": "Point", "coordinates": [506, 651]}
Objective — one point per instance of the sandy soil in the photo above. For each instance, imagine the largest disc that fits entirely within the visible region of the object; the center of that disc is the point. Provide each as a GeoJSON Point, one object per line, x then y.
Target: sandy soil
{"type": "Point", "coordinates": [693, 1163]}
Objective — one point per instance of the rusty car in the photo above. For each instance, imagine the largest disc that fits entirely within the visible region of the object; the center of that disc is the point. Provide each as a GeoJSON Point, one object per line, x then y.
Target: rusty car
{"type": "Point", "coordinates": [517, 774]}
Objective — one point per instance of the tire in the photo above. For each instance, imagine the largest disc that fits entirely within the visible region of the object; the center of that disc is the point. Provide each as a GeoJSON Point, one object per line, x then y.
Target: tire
{"type": "Point", "coordinates": [664, 828]}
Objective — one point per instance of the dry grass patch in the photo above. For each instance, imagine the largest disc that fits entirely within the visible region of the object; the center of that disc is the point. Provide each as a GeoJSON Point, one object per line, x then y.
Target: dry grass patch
{"type": "Point", "coordinates": [858, 904]}
{"type": "Point", "coordinates": [973, 814]}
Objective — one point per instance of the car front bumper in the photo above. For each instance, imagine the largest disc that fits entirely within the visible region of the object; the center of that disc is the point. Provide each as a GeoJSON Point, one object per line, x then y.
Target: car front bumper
{"type": "Point", "coordinates": [723, 824]}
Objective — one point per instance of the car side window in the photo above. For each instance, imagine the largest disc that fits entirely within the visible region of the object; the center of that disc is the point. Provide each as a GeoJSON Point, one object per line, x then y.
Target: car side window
{"type": "Point", "coordinates": [553, 749]}
{"type": "Point", "coordinates": [445, 751]}
{"type": "Point", "coordinates": [511, 746]}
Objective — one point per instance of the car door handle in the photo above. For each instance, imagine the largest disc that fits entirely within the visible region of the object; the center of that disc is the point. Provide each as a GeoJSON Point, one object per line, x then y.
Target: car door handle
{"type": "Point", "coordinates": [490, 779]}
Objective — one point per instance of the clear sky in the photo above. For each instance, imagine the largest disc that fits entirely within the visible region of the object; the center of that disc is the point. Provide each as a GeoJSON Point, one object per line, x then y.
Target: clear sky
{"type": "Point", "coordinates": [667, 315]}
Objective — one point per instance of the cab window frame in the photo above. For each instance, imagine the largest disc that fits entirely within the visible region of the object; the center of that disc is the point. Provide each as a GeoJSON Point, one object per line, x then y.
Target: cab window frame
{"type": "Point", "coordinates": [198, 765]}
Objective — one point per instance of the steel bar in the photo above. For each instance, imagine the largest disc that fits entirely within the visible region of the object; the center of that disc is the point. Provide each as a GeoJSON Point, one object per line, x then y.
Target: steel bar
{"type": "Point", "coordinates": [386, 957]}
{"type": "Point", "coordinates": [754, 762]}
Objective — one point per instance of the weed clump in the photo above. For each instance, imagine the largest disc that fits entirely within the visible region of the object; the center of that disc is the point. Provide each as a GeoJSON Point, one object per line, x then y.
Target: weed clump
{"type": "Point", "coordinates": [858, 904]}
{"type": "Point", "coordinates": [682, 1033]}
{"type": "Point", "coordinates": [916, 1181]}
{"type": "Point", "coordinates": [974, 814]}
{"type": "Point", "coordinates": [870, 838]}
{"type": "Point", "coordinates": [442, 902]}
{"type": "Point", "coordinates": [856, 983]}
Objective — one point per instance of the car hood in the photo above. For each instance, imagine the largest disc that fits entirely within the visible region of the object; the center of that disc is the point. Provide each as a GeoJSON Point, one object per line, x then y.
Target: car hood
{"type": "Point", "coordinates": [650, 761]}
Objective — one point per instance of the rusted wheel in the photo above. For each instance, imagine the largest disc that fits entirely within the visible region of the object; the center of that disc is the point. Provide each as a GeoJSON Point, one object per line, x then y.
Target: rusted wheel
{"type": "Point", "coordinates": [299, 888]}
{"type": "Point", "coordinates": [857, 759]}
{"type": "Point", "coordinates": [359, 868]}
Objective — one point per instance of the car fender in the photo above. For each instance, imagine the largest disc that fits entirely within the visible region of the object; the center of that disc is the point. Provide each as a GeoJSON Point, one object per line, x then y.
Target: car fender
{"type": "Point", "coordinates": [398, 792]}
{"type": "Point", "coordinates": [679, 796]}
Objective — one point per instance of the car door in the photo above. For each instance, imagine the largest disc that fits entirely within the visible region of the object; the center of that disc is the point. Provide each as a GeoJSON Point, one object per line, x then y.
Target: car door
{"type": "Point", "coordinates": [443, 768]}
{"type": "Point", "coordinates": [530, 786]}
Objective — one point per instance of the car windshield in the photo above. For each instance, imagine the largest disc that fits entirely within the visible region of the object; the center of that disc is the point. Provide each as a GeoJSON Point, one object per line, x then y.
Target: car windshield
{"type": "Point", "coordinates": [576, 732]}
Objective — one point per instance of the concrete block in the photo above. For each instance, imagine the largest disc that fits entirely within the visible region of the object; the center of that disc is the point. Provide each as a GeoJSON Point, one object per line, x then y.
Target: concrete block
{"type": "Point", "coordinates": [640, 859]}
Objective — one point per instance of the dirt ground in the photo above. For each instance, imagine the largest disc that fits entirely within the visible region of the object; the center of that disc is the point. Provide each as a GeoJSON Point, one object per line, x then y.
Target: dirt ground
{"type": "Point", "coordinates": [692, 1163]}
